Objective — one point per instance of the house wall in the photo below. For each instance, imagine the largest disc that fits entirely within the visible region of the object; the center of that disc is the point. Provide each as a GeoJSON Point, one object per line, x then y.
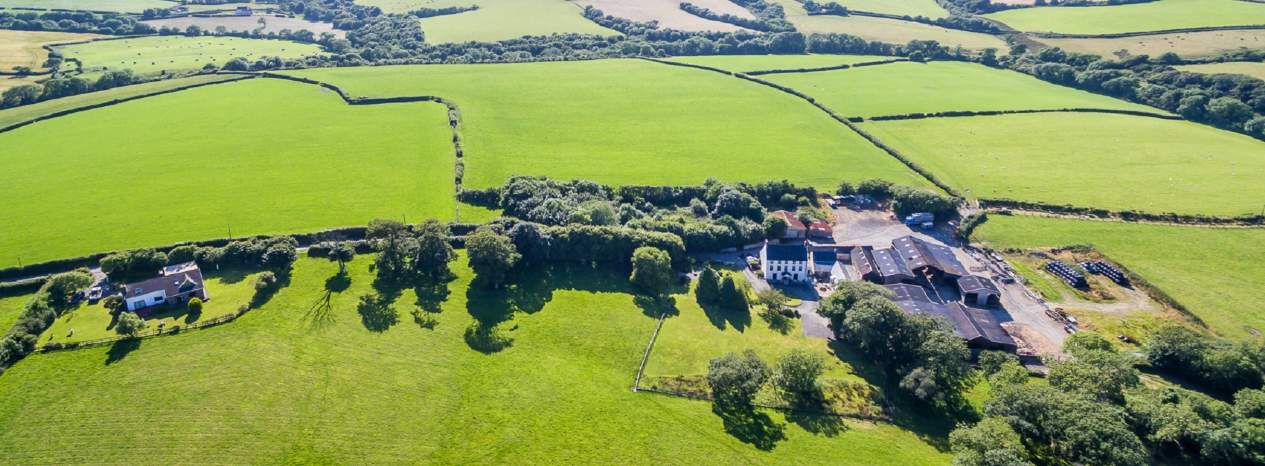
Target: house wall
{"type": "Point", "coordinates": [796, 271]}
{"type": "Point", "coordinates": [145, 300]}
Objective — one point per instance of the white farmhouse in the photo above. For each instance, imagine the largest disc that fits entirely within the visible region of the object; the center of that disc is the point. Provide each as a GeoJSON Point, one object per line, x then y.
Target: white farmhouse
{"type": "Point", "coordinates": [177, 284]}
{"type": "Point", "coordinates": [786, 263]}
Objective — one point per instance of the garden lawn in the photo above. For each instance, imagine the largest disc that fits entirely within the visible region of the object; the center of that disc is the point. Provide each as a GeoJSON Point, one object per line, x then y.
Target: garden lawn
{"type": "Point", "coordinates": [628, 122]}
{"type": "Point", "coordinates": [1114, 162]}
{"type": "Point", "coordinates": [885, 30]}
{"type": "Point", "coordinates": [901, 88]}
{"type": "Point", "coordinates": [307, 378]}
{"type": "Point", "coordinates": [10, 309]}
{"type": "Point", "coordinates": [256, 156]}
{"type": "Point", "coordinates": [497, 20]}
{"type": "Point", "coordinates": [13, 115]}
{"type": "Point", "coordinates": [1252, 69]}
{"type": "Point", "coordinates": [121, 6]}
{"type": "Point", "coordinates": [1185, 44]}
{"type": "Point", "coordinates": [166, 54]}
{"type": "Point", "coordinates": [669, 13]}
{"type": "Point", "coordinates": [1160, 15]}
{"type": "Point", "coordinates": [748, 63]}
{"type": "Point", "coordinates": [1216, 273]}
{"type": "Point", "coordinates": [87, 322]}
{"type": "Point", "coordinates": [25, 48]}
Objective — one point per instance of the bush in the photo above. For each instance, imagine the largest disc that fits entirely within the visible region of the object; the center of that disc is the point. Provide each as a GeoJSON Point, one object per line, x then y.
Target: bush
{"type": "Point", "coordinates": [129, 324]}
{"type": "Point", "coordinates": [195, 306]}
{"type": "Point", "coordinates": [651, 270]}
{"type": "Point", "coordinates": [265, 281]}
{"type": "Point", "coordinates": [796, 373]}
{"type": "Point", "coordinates": [736, 379]}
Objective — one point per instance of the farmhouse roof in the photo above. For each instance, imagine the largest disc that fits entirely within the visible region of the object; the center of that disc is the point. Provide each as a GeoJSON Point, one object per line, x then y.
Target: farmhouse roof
{"type": "Point", "coordinates": [185, 279]}
{"type": "Point", "coordinates": [976, 284]}
{"type": "Point", "coordinates": [918, 253]}
{"type": "Point", "coordinates": [792, 223]}
{"type": "Point", "coordinates": [795, 252]}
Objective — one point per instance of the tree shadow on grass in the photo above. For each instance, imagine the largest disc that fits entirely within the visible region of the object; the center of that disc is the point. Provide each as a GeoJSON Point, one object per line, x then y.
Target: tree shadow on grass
{"type": "Point", "coordinates": [262, 296]}
{"type": "Point", "coordinates": [319, 315]}
{"type": "Point", "coordinates": [777, 321]}
{"type": "Point", "coordinates": [376, 312]}
{"type": "Point", "coordinates": [230, 275]}
{"type": "Point", "coordinates": [656, 306]}
{"type": "Point", "coordinates": [120, 349]}
{"type": "Point", "coordinates": [723, 318]}
{"type": "Point", "coordinates": [338, 283]}
{"type": "Point", "coordinates": [811, 412]}
{"type": "Point", "coordinates": [487, 339]}
{"type": "Point", "coordinates": [749, 425]}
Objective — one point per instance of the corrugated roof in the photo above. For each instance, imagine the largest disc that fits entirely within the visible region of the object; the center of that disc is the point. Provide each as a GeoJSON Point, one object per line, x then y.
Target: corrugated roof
{"type": "Point", "coordinates": [953, 312]}
{"type": "Point", "coordinates": [975, 284]}
{"type": "Point", "coordinates": [989, 327]}
{"type": "Point", "coordinates": [918, 254]}
{"type": "Point", "coordinates": [906, 292]}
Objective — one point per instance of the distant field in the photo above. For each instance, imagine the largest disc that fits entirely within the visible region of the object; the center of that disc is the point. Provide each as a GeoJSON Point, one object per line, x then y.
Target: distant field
{"type": "Point", "coordinates": [1217, 273]}
{"type": "Point", "coordinates": [669, 14]}
{"type": "Point", "coordinates": [1188, 44]}
{"type": "Point", "coordinates": [404, 6]}
{"type": "Point", "coordinates": [122, 6]}
{"type": "Point", "coordinates": [258, 156]}
{"type": "Point", "coordinates": [746, 63]}
{"type": "Point", "coordinates": [1253, 69]}
{"type": "Point", "coordinates": [628, 122]}
{"type": "Point", "coordinates": [26, 112]}
{"type": "Point", "coordinates": [159, 54]}
{"type": "Point", "coordinates": [24, 48]}
{"type": "Point", "coordinates": [887, 30]}
{"type": "Point", "coordinates": [310, 382]}
{"type": "Point", "coordinates": [901, 88]}
{"type": "Point", "coordinates": [1091, 160]}
{"type": "Point", "coordinates": [507, 19]}
{"type": "Point", "coordinates": [1153, 16]}
{"type": "Point", "coordinates": [927, 8]}
{"type": "Point", "coordinates": [247, 24]}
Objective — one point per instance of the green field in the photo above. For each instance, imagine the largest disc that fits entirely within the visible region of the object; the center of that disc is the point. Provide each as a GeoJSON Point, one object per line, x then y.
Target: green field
{"type": "Point", "coordinates": [257, 156]}
{"type": "Point", "coordinates": [628, 122]}
{"type": "Point", "coordinates": [1216, 273]}
{"type": "Point", "coordinates": [26, 112]}
{"type": "Point", "coordinates": [1253, 69]}
{"type": "Point", "coordinates": [1113, 162]}
{"type": "Point", "coordinates": [901, 88]}
{"type": "Point", "coordinates": [507, 19]}
{"type": "Point", "coordinates": [747, 63]}
{"type": "Point", "coordinates": [1185, 44]}
{"type": "Point", "coordinates": [927, 8]}
{"type": "Point", "coordinates": [10, 309]}
{"type": "Point", "coordinates": [1159, 15]}
{"type": "Point", "coordinates": [886, 30]}
{"type": "Point", "coordinates": [299, 381]}
{"type": "Point", "coordinates": [122, 6]}
{"type": "Point", "coordinates": [166, 54]}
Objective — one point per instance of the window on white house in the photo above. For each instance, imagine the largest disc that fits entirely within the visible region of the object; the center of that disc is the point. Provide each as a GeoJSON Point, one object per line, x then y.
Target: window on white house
{"type": "Point", "coordinates": [158, 299]}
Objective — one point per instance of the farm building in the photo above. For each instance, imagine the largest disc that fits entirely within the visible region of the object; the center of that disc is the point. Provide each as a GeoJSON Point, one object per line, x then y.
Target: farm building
{"type": "Point", "coordinates": [795, 229]}
{"type": "Point", "coordinates": [827, 262]}
{"type": "Point", "coordinates": [786, 263]}
{"type": "Point", "coordinates": [882, 266]}
{"type": "Point", "coordinates": [178, 283]}
{"type": "Point", "coordinates": [923, 257]}
{"type": "Point", "coordinates": [821, 229]}
{"type": "Point", "coordinates": [979, 290]}
{"type": "Point", "coordinates": [978, 327]}
{"type": "Point", "coordinates": [244, 11]}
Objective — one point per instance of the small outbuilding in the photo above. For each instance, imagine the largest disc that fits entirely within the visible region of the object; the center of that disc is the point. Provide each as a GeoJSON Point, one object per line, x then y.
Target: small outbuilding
{"type": "Point", "coordinates": [979, 291]}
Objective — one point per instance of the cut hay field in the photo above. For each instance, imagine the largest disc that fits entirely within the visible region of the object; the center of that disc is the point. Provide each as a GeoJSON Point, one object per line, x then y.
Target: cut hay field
{"type": "Point", "coordinates": [901, 88]}
{"type": "Point", "coordinates": [166, 54]}
{"type": "Point", "coordinates": [669, 13]}
{"type": "Point", "coordinates": [247, 24]}
{"type": "Point", "coordinates": [25, 48]}
{"type": "Point", "coordinates": [257, 156]}
{"type": "Point", "coordinates": [628, 122]}
{"type": "Point", "coordinates": [1112, 162]}
{"type": "Point", "coordinates": [886, 30]}
{"type": "Point", "coordinates": [927, 8]}
{"type": "Point", "coordinates": [1160, 15]}
{"type": "Point", "coordinates": [1186, 44]}
{"type": "Point", "coordinates": [121, 6]}
{"type": "Point", "coordinates": [497, 20]}
{"type": "Point", "coordinates": [1216, 273]}
{"type": "Point", "coordinates": [1253, 69]}
{"type": "Point", "coordinates": [306, 378]}
{"type": "Point", "coordinates": [748, 63]}
{"type": "Point", "coordinates": [10, 116]}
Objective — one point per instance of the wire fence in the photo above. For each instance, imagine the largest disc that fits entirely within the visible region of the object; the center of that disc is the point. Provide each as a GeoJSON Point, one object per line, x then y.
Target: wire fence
{"type": "Point", "coordinates": [172, 330]}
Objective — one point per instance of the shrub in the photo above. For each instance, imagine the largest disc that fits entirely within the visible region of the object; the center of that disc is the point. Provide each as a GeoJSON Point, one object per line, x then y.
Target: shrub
{"type": "Point", "coordinates": [195, 306]}
{"type": "Point", "coordinates": [129, 324]}
{"type": "Point", "coordinates": [796, 373]}
{"type": "Point", "coordinates": [736, 378]}
{"type": "Point", "coordinates": [265, 281]}
{"type": "Point", "coordinates": [651, 270]}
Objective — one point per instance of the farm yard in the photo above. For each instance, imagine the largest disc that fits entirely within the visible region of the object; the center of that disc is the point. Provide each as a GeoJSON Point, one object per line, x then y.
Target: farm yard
{"type": "Point", "coordinates": [314, 366]}
{"type": "Point", "coordinates": [1114, 162]}
{"type": "Point", "coordinates": [1160, 15]}
{"type": "Point", "coordinates": [121, 6]}
{"type": "Point", "coordinates": [170, 54]}
{"type": "Point", "coordinates": [258, 156]}
{"type": "Point", "coordinates": [1252, 69]}
{"type": "Point", "coordinates": [507, 19]}
{"type": "Point", "coordinates": [644, 118]}
{"type": "Point", "coordinates": [903, 88]}
{"type": "Point", "coordinates": [1184, 44]}
{"type": "Point", "coordinates": [1215, 272]}
{"type": "Point", "coordinates": [263, 23]}
{"type": "Point", "coordinates": [669, 14]}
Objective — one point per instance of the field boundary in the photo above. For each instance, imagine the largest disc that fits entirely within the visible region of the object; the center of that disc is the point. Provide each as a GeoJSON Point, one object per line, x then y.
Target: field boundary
{"type": "Point", "coordinates": [824, 68]}
{"type": "Point", "coordinates": [173, 330]}
{"type": "Point", "coordinates": [1167, 218]}
{"type": "Point", "coordinates": [1122, 35]}
{"type": "Point", "coordinates": [972, 113]}
{"type": "Point", "coordinates": [645, 356]}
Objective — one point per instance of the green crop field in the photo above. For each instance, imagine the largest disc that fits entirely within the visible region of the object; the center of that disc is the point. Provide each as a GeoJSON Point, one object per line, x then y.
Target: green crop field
{"type": "Point", "coordinates": [26, 112]}
{"type": "Point", "coordinates": [1113, 162]}
{"type": "Point", "coordinates": [1185, 44]}
{"type": "Point", "coordinates": [165, 54]}
{"type": "Point", "coordinates": [1159, 15]}
{"type": "Point", "coordinates": [747, 63]}
{"type": "Point", "coordinates": [886, 30]}
{"type": "Point", "coordinates": [257, 156]}
{"type": "Point", "coordinates": [900, 88]}
{"type": "Point", "coordinates": [927, 8]}
{"type": "Point", "coordinates": [121, 6]}
{"type": "Point", "coordinates": [628, 122]}
{"type": "Point", "coordinates": [307, 378]}
{"type": "Point", "coordinates": [1253, 69]}
{"type": "Point", "coordinates": [507, 19]}
{"type": "Point", "coordinates": [1216, 273]}
{"type": "Point", "coordinates": [669, 15]}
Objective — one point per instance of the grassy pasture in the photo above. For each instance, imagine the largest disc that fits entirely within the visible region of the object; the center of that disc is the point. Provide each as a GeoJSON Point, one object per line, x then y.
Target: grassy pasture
{"type": "Point", "coordinates": [886, 30]}
{"type": "Point", "coordinates": [10, 309]}
{"type": "Point", "coordinates": [1216, 273]}
{"type": "Point", "coordinates": [628, 122]}
{"type": "Point", "coordinates": [669, 14]}
{"type": "Point", "coordinates": [900, 88]}
{"type": "Point", "coordinates": [1110, 161]}
{"type": "Point", "coordinates": [10, 116]}
{"type": "Point", "coordinates": [747, 63]}
{"type": "Point", "coordinates": [257, 156]}
{"type": "Point", "coordinates": [507, 19]}
{"type": "Point", "coordinates": [307, 378]}
{"type": "Point", "coordinates": [927, 8]}
{"type": "Point", "coordinates": [1187, 44]}
{"type": "Point", "coordinates": [163, 54]}
{"type": "Point", "coordinates": [121, 6]}
{"type": "Point", "coordinates": [1154, 16]}
{"type": "Point", "coordinates": [1253, 69]}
